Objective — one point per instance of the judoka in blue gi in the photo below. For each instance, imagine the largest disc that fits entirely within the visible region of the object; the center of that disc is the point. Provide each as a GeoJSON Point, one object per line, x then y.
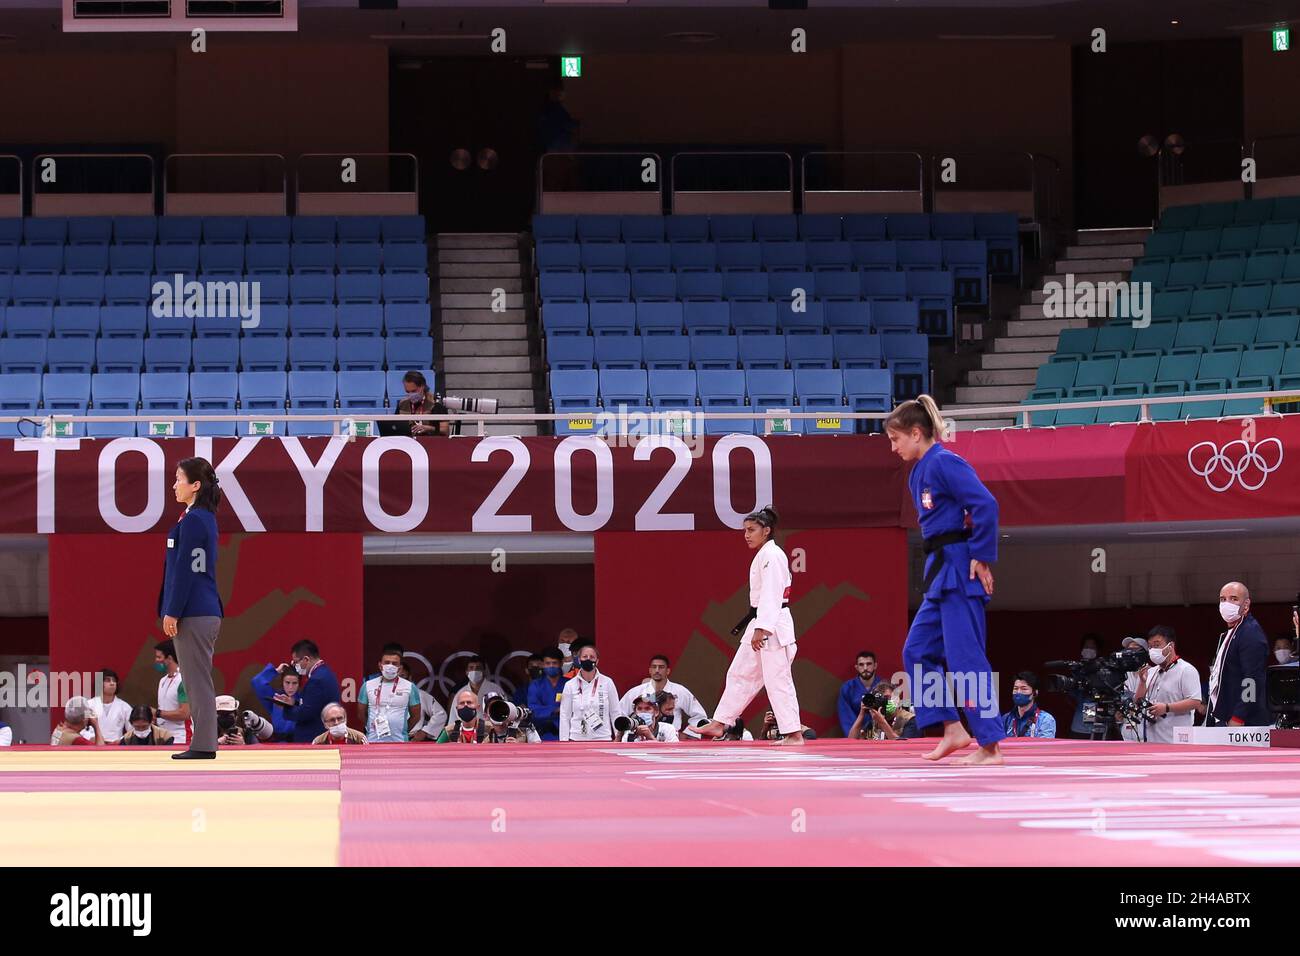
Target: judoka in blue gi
{"type": "Point", "coordinates": [944, 654]}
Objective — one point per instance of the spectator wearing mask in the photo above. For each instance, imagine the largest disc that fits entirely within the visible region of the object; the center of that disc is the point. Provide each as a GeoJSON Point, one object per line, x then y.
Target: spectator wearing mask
{"type": "Point", "coordinates": [534, 671]}
{"type": "Point", "coordinates": [476, 680]}
{"type": "Point", "coordinates": [686, 707]}
{"type": "Point", "coordinates": [337, 732]}
{"type": "Point", "coordinates": [544, 695]}
{"type": "Point", "coordinates": [1283, 649]}
{"type": "Point", "coordinates": [173, 701]}
{"type": "Point", "coordinates": [1089, 648]}
{"type": "Point", "coordinates": [849, 705]}
{"type": "Point", "coordinates": [77, 716]}
{"type": "Point", "coordinates": [320, 687]}
{"type": "Point", "coordinates": [111, 711]}
{"type": "Point", "coordinates": [589, 702]}
{"type": "Point", "coordinates": [1172, 685]}
{"type": "Point", "coordinates": [235, 729]}
{"type": "Point", "coordinates": [1238, 677]}
{"type": "Point", "coordinates": [466, 725]}
{"type": "Point", "coordinates": [264, 688]}
{"type": "Point", "coordinates": [419, 400]}
{"type": "Point", "coordinates": [433, 716]}
{"type": "Point", "coordinates": [571, 653]}
{"type": "Point", "coordinates": [1025, 719]}
{"type": "Point", "coordinates": [646, 723]}
{"type": "Point", "coordinates": [389, 705]}
{"type": "Point", "coordinates": [143, 732]}
{"type": "Point", "coordinates": [894, 721]}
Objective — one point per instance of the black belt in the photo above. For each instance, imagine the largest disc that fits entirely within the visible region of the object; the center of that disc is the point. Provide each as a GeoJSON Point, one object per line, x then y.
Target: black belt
{"type": "Point", "coordinates": [935, 546]}
{"type": "Point", "coordinates": [753, 613]}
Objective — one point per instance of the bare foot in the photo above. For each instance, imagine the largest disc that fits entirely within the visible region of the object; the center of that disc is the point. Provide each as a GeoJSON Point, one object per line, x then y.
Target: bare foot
{"type": "Point", "coordinates": [714, 728]}
{"type": "Point", "coordinates": [791, 740]}
{"type": "Point", "coordinates": [954, 738]}
{"type": "Point", "coordinates": [990, 756]}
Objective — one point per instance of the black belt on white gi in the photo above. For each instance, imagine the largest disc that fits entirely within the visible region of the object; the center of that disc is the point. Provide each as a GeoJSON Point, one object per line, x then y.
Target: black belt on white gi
{"type": "Point", "coordinates": [753, 613]}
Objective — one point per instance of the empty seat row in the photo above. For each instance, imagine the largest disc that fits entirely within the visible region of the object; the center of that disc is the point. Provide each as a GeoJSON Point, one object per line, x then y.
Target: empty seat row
{"type": "Point", "coordinates": [276, 289]}
{"type": "Point", "coordinates": [315, 319]}
{"type": "Point", "coordinates": [215, 258]}
{"type": "Point", "coordinates": [1224, 268]}
{"type": "Point", "coordinates": [1163, 411]}
{"type": "Point", "coordinates": [173, 394]}
{"type": "Point", "coordinates": [148, 230]}
{"type": "Point", "coordinates": [721, 318]}
{"type": "Point", "coordinates": [584, 393]}
{"type": "Point", "coordinates": [1116, 339]}
{"type": "Point", "coordinates": [1261, 361]}
{"type": "Point", "coordinates": [269, 354]}
{"type": "Point", "coordinates": [1227, 213]}
{"type": "Point", "coordinates": [906, 353]}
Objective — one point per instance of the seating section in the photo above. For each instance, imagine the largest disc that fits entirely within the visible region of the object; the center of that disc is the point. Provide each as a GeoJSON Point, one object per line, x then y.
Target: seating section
{"type": "Point", "coordinates": [1225, 308]}
{"type": "Point", "coordinates": [342, 312]}
{"type": "Point", "coordinates": [677, 295]}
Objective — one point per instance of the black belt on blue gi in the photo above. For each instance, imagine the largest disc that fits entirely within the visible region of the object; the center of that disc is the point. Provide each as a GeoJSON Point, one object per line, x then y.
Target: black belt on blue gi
{"type": "Point", "coordinates": [753, 613]}
{"type": "Point", "coordinates": [935, 546]}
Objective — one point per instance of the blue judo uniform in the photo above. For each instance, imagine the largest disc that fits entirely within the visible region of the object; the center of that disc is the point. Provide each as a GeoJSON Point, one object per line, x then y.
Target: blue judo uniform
{"type": "Point", "coordinates": [948, 631]}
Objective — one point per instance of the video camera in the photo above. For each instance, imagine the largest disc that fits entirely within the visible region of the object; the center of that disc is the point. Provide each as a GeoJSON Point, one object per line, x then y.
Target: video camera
{"type": "Point", "coordinates": [1100, 682]}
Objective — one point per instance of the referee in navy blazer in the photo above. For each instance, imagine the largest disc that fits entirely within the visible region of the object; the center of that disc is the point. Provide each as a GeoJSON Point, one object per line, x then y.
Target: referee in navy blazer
{"type": "Point", "coordinates": [189, 604]}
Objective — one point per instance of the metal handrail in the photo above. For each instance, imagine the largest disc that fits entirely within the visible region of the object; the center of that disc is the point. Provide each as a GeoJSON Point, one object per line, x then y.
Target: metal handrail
{"type": "Point", "coordinates": [284, 166]}
{"type": "Point", "coordinates": [415, 165]}
{"type": "Point", "coordinates": [803, 167]}
{"type": "Point", "coordinates": [153, 172]}
{"type": "Point", "coordinates": [659, 167]}
{"type": "Point", "coordinates": [1167, 161]}
{"type": "Point", "coordinates": [744, 152]}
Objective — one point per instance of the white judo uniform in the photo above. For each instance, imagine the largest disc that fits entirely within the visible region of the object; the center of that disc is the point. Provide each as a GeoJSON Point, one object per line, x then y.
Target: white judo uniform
{"type": "Point", "coordinates": [751, 670]}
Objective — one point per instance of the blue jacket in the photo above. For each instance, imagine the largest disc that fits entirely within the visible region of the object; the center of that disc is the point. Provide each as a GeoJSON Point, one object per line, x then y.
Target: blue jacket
{"type": "Point", "coordinates": [282, 725]}
{"type": "Point", "coordinates": [321, 688]}
{"type": "Point", "coordinates": [1034, 723]}
{"type": "Point", "coordinates": [945, 490]}
{"type": "Point", "coordinates": [542, 702]}
{"type": "Point", "coordinates": [850, 701]}
{"type": "Point", "coordinates": [189, 587]}
{"type": "Point", "coordinates": [1246, 661]}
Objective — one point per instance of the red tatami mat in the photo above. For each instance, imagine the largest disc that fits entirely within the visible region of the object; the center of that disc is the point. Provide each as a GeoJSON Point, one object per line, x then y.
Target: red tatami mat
{"type": "Point", "coordinates": [832, 803]}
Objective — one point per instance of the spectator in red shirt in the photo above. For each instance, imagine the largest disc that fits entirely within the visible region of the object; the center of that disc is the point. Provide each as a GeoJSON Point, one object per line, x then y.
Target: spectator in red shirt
{"type": "Point", "coordinates": [77, 716]}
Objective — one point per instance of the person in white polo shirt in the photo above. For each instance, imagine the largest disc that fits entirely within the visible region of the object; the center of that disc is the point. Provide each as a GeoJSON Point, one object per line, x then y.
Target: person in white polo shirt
{"type": "Point", "coordinates": [589, 702]}
{"type": "Point", "coordinates": [687, 708]}
{"type": "Point", "coordinates": [389, 704]}
{"type": "Point", "coordinates": [113, 712]}
{"type": "Point", "coordinates": [1172, 685]}
{"type": "Point", "coordinates": [173, 702]}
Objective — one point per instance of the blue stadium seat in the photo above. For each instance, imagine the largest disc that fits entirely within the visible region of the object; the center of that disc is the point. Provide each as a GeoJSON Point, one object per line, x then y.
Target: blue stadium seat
{"type": "Point", "coordinates": [768, 389]}
{"type": "Point", "coordinates": [264, 392]}
{"type": "Point", "coordinates": [264, 354]}
{"type": "Point", "coordinates": [311, 289]}
{"type": "Point", "coordinates": [135, 231]}
{"type": "Point", "coordinates": [659, 318]}
{"type": "Point", "coordinates": [699, 286]}
{"type": "Point", "coordinates": [552, 228]}
{"type": "Point", "coordinates": [714, 352]}
{"type": "Point", "coordinates": [707, 318]}
{"type": "Point", "coordinates": [222, 259]}
{"type": "Point", "coordinates": [45, 230]}
{"type": "Point", "coordinates": [176, 258]}
{"type": "Point", "coordinates": [745, 286]}
{"type": "Point", "coordinates": [406, 318]}
{"type": "Point", "coordinates": [20, 395]}
{"type": "Point", "coordinates": [1000, 233]}
{"type": "Point", "coordinates": [114, 394]}
{"type": "Point", "coordinates": [119, 356]}
{"type": "Point", "coordinates": [908, 225]}
{"type": "Point", "coordinates": [312, 353]}
{"type": "Point", "coordinates": [165, 355]}
{"type": "Point", "coordinates": [312, 392]}
{"type": "Point", "coordinates": [604, 229]}
{"type": "Point", "coordinates": [312, 258]}
{"type": "Point", "coordinates": [840, 286]}
{"type": "Point", "coordinates": [216, 355]}
{"type": "Point", "coordinates": [666, 352]}
{"type": "Point", "coordinates": [830, 256]}
{"type": "Point", "coordinates": [360, 289]}
{"type": "Point", "coordinates": [566, 352]}
{"type": "Point", "coordinates": [623, 387]}
{"type": "Point", "coordinates": [762, 352]}
{"type": "Point", "coordinates": [399, 229]}
{"type": "Point", "coordinates": [891, 317]}
{"type": "Point", "coordinates": [75, 321]}
{"type": "Point", "coordinates": [686, 228]}
{"type": "Point", "coordinates": [212, 326]}
{"type": "Point", "coordinates": [820, 228]}
{"type": "Point", "coordinates": [69, 355]}
{"type": "Point", "coordinates": [868, 390]}
{"type": "Point", "coordinates": [29, 321]}
{"type": "Point", "coordinates": [574, 393]}
{"type": "Point", "coordinates": [754, 318]}
{"type": "Point", "coordinates": [360, 320]}
{"type": "Point", "coordinates": [312, 320]}
{"type": "Point", "coordinates": [405, 258]}
{"type": "Point", "coordinates": [776, 228]}
{"type": "Point", "coordinates": [618, 351]}
{"type": "Point", "coordinates": [90, 230]}
{"type": "Point", "coordinates": [875, 255]}
{"type": "Point", "coordinates": [406, 288]}
{"type": "Point", "coordinates": [314, 230]}
{"type": "Point", "coordinates": [559, 257]}
{"type": "Point", "coordinates": [784, 286]}
{"type": "Point", "coordinates": [672, 389]}
{"type": "Point", "coordinates": [131, 260]}
{"type": "Point", "coordinates": [11, 231]}
{"type": "Point", "coordinates": [225, 230]}
{"type": "Point", "coordinates": [735, 228]}
{"type": "Point", "coordinates": [362, 258]}
{"type": "Point", "coordinates": [34, 290]}
{"type": "Point", "coordinates": [214, 393]}
{"type": "Point", "coordinates": [885, 286]}
{"type": "Point", "coordinates": [562, 287]}
{"type": "Point", "coordinates": [167, 326]}
{"type": "Point", "coordinates": [739, 257]}
{"type": "Point", "coordinates": [180, 230]}
{"type": "Point", "coordinates": [693, 256]}
{"type": "Point", "coordinates": [66, 394]}
{"type": "Point", "coordinates": [268, 258]}
{"type": "Point", "coordinates": [361, 391]}
{"type": "Point", "coordinates": [822, 390]}
{"type": "Point", "coordinates": [359, 230]}
{"type": "Point", "coordinates": [613, 318]}
{"type": "Point", "coordinates": [952, 225]}
{"type": "Point", "coordinates": [654, 287]}
{"type": "Point", "coordinates": [722, 391]}
{"type": "Point", "coordinates": [86, 260]}
{"type": "Point", "coordinates": [810, 352]}
{"type": "Point", "coordinates": [920, 254]}
{"type": "Point", "coordinates": [908, 357]}
{"type": "Point", "coordinates": [855, 351]}
{"type": "Point", "coordinates": [810, 322]}
{"type": "Point", "coordinates": [649, 257]}
{"type": "Point", "coordinates": [848, 317]}
{"type": "Point", "coordinates": [22, 356]}
{"type": "Point", "coordinates": [164, 394]}
{"type": "Point", "coordinates": [565, 318]}
{"type": "Point", "coordinates": [784, 256]}
{"type": "Point", "coordinates": [933, 292]}
{"type": "Point", "coordinates": [118, 321]}
{"type": "Point", "coordinates": [409, 353]}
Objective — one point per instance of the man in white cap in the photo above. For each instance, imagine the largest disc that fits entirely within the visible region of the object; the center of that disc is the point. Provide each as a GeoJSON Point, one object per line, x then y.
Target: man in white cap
{"type": "Point", "coordinates": [236, 730]}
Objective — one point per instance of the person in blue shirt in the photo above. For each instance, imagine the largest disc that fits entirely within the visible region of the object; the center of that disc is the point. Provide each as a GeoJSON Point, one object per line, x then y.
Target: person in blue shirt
{"type": "Point", "coordinates": [188, 602]}
{"type": "Point", "coordinates": [266, 693]}
{"type": "Point", "coordinates": [1025, 719]}
{"type": "Point", "coordinates": [855, 688]}
{"type": "Point", "coordinates": [320, 687]}
{"type": "Point", "coordinates": [544, 695]}
{"type": "Point", "coordinates": [520, 697]}
{"type": "Point", "coordinates": [959, 528]}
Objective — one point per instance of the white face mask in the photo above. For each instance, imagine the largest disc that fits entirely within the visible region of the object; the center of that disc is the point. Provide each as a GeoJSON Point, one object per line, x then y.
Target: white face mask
{"type": "Point", "coordinates": [302, 671]}
{"type": "Point", "coordinates": [141, 733]}
{"type": "Point", "coordinates": [476, 677]}
{"type": "Point", "coordinates": [389, 671]}
{"type": "Point", "coordinates": [339, 730]}
{"type": "Point", "coordinates": [1157, 655]}
{"type": "Point", "coordinates": [645, 718]}
{"type": "Point", "coordinates": [1087, 654]}
{"type": "Point", "coordinates": [1229, 611]}
{"type": "Point", "coordinates": [1282, 655]}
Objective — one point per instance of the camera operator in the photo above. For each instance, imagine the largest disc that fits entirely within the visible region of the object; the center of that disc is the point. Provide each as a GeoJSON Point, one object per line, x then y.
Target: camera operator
{"type": "Point", "coordinates": [1025, 719]}
{"type": "Point", "coordinates": [419, 400]}
{"type": "Point", "coordinates": [1126, 730]}
{"type": "Point", "coordinates": [888, 713]}
{"type": "Point", "coordinates": [1172, 685]}
{"type": "Point", "coordinates": [507, 723]}
{"type": "Point", "coordinates": [236, 729]}
{"type": "Point", "coordinates": [646, 723]}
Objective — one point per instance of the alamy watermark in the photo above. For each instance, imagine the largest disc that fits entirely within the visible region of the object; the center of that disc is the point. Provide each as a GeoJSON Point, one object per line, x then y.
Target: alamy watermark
{"type": "Point", "coordinates": [33, 688]}
{"type": "Point", "coordinates": [971, 690]}
{"type": "Point", "coordinates": [221, 299]}
{"type": "Point", "coordinates": [1087, 300]}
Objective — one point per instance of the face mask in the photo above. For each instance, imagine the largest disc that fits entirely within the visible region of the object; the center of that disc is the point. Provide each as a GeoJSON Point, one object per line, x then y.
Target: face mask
{"type": "Point", "coordinates": [466, 714]}
{"type": "Point", "coordinates": [1229, 611]}
{"type": "Point", "coordinates": [534, 672]}
{"type": "Point", "coordinates": [645, 718]}
{"type": "Point", "coordinates": [551, 671]}
{"type": "Point", "coordinates": [1022, 700]}
{"type": "Point", "coordinates": [1157, 655]}
{"type": "Point", "coordinates": [389, 671]}
{"type": "Point", "coordinates": [225, 722]}
{"type": "Point", "coordinates": [891, 706]}
{"type": "Point", "coordinates": [1087, 654]}
{"type": "Point", "coordinates": [1282, 655]}
{"type": "Point", "coordinates": [476, 677]}
{"type": "Point", "coordinates": [339, 730]}
{"type": "Point", "coordinates": [302, 671]}
{"type": "Point", "coordinates": [568, 665]}
{"type": "Point", "coordinates": [160, 667]}
{"type": "Point", "coordinates": [142, 734]}
{"type": "Point", "coordinates": [587, 665]}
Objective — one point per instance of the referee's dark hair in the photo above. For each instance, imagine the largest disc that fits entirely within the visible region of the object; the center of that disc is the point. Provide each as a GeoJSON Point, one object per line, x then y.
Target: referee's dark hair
{"type": "Point", "coordinates": [200, 470]}
{"type": "Point", "coordinates": [305, 647]}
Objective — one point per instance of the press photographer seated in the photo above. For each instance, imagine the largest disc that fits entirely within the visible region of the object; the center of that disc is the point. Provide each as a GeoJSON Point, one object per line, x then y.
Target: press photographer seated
{"type": "Point", "coordinates": [505, 722]}
{"type": "Point", "coordinates": [419, 400]}
{"type": "Point", "coordinates": [77, 716]}
{"type": "Point", "coordinates": [646, 723]}
{"type": "Point", "coordinates": [236, 729]}
{"type": "Point", "coordinates": [884, 715]}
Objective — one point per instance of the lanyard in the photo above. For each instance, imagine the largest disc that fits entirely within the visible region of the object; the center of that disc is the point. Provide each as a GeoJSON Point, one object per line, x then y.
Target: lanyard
{"type": "Point", "coordinates": [379, 693]}
{"type": "Point", "coordinates": [593, 682]}
{"type": "Point", "coordinates": [1033, 724]}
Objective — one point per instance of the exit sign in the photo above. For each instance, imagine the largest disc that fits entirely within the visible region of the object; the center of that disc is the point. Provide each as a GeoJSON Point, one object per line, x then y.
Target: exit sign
{"type": "Point", "coordinates": [1281, 40]}
{"type": "Point", "coordinates": [570, 66]}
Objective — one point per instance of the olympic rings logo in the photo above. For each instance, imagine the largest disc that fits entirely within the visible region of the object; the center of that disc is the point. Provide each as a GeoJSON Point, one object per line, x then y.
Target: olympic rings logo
{"type": "Point", "coordinates": [1222, 469]}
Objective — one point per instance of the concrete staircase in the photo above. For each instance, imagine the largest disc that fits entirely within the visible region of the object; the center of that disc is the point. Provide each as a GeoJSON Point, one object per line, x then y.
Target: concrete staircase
{"type": "Point", "coordinates": [486, 354]}
{"type": "Point", "coordinates": [1008, 367]}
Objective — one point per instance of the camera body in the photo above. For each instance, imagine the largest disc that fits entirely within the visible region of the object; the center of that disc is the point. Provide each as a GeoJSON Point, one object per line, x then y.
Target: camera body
{"type": "Point", "coordinates": [874, 700]}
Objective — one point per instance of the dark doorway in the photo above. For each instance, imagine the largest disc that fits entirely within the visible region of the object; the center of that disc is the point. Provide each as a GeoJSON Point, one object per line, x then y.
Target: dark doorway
{"type": "Point", "coordinates": [487, 107]}
{"type": "Point", "coordinates": [1192, 87]}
